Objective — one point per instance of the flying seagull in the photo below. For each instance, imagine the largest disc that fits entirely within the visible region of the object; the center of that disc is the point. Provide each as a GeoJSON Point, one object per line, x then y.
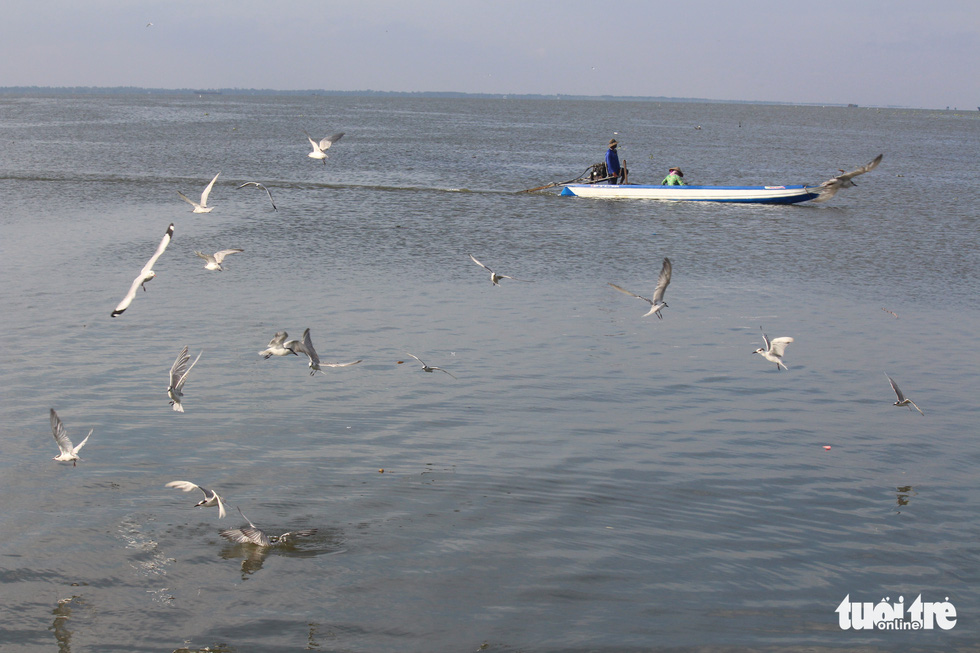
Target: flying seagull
{"type": "Point", "coordinates": [201, 207]}
{"type": "Point", "coordinates": [178, 377]}
{"type": "Point", "coordinates": [902, 399]}
{"type": "Point", "coordinates": [258, 185]}
{"type": "Point", "coordinates": [214, 260]}
{"type": "Point", "coordinates": [251, 534]}
{"type": "Point", "coordinates": [68, 451]}
{"type": "Point", "coordinates": [427, 368]}
{"type": "Point", "coordinates": [494, 277]}
{"type": "Point", "coordinates": [211, 498]}
{"type": "Point", "coordinates": [830, 187]}
{"type": "Point", "coordinates": [319, 148]}
{"type": "Point", "coordinates": [657, 303]}
{"type": "Point", "coordinates": [773, 351]}
{"type": "Point", "coordinates": [279, 347]}
{"type": "Point", "coordinates": [145, 274]}
{"type": "Point", "coordinates": [306, 347]}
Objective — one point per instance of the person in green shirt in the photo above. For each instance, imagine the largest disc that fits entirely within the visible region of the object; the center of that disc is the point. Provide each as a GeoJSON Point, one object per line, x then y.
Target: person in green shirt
{"type": "Point", "coordinates": [674, 178]}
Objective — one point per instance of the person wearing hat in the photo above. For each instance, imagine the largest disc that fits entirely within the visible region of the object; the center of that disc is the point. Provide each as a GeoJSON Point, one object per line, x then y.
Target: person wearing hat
{"type": "Point", "coordinates": [674, 178]}
{"type": "Point", "coordinates": [613, 169]}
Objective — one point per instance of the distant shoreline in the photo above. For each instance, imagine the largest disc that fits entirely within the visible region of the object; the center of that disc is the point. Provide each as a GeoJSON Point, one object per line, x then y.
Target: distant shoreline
{"type": "Point", "coordinates": [135, 90]}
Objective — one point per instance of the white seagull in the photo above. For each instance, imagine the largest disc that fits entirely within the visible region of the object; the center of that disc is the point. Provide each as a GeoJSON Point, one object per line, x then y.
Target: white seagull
{"type": "Point", "coordinates": [211, 498]}
{"type": "Point", "coordinates": [427, 368]}
{"type": "Point", "coordinates": [902, 399]}
{"type": "Point", "coordinates": [258, 185]}
{"type": "Point", "coordinates": [68, 452]}
{"type": "Point", "coordinates": [201, 207]}
{"type": "Point", "coordinates": [494, 277]}
{"type": "Point", "coordinates": [657, 303]}
{"type": "Point", "coordinates": [214, 260]}
{"type": "Point", "coordinates": [145, 274]}
{"type": "Point", "coordinates": [279, 347]}
{"type": "Point", "coordinates": [251, 534]}
{"type": "Point", "coordinates": [178, 377]}
{"type": "Point", "coordinates": [773, 351]}
{"type": "Point", "coordinates": [306, 347]}
{"type": "Point", "coordinates": [830, 187]}
{"type": "Point", "coordinates": [318, 148]}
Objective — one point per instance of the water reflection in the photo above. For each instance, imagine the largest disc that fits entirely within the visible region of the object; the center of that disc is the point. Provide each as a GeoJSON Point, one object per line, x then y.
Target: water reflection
{"type": "Point", "coordinates": [904, 492]}
{"type": "Point", "coordinates": [62, 613]}
{"type": "Point", "coordinates": [254, 556]}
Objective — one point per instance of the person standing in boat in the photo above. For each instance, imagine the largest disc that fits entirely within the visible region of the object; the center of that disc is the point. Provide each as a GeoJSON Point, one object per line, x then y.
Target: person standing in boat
{"type": "Point", "coordinates": [613, 169]}
{"type": "Point", "coordinates": [674, 178]}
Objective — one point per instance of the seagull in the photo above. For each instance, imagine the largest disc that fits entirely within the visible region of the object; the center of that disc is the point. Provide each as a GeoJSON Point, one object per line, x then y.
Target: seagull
{"type": "Point", "coordinates": [494, 277]}
{"type": "Point", "coordinates": [178, 376]}
{"type": "Point", "coordinates": [279, 347]}
{"type": "Point", "coordinates": [426, 368]}
{"type": "Point", "coordinates": [657, 302]}
{"type": "Point", "coordinates": [68, 451]}
{"type": "Point", "coordinates": [214, 260]}
{"type": "Point", "coordinates": [203, 206]}
{"type": "Point", "coordinates": [258, 185]}
{"type": "Point", "coordinates": [306, 347]}
{"type": "Point", "coordinates": [145, 274]}
{"type": "Point", "coordinates": [318, 148]}
{"type": "Point", "coordinates": [773, 351]}
{"type": "Point", "coordinates": [830, 187]}
{"type": "Point", "coordinates": [251, 534]}
{"type": "Point", "coordinates": [902, 399]}
{"type": "Point", "coordinates": [211, 498]}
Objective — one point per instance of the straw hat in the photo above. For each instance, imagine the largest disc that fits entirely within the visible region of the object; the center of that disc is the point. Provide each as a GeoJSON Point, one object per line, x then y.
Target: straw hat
{"type": "Point", "coordinates": [613, 142]}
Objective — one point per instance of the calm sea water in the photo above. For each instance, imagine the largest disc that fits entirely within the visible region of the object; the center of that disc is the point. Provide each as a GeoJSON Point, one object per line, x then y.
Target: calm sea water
{"type": "Point", "coordinates": [592, 480]}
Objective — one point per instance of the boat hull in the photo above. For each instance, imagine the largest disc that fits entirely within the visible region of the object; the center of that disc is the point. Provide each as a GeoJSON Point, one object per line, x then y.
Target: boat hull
{"type": "Point", "coordinates": [743, 194]}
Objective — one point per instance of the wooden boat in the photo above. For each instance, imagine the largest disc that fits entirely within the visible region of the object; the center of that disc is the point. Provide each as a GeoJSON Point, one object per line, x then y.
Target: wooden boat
{"type": "Point", "coordinates": [745, 194]}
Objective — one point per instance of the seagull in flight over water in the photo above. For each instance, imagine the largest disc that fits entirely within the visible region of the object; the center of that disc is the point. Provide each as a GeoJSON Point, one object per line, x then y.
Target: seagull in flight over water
{"type": "Point", "coordinates": [178, 376]}
{"type": "Point", "coordinates": [657, 303]}
{"type": "Point", "coordinates": [494, 277]}
{"type": "Point", "coordinates": [211, 498]}
{"type": "Point", "coordinates": [214, 260]}
{"type": "Point", "coordinates": [252, 534]}
{"type": "Point", "coordinates": [201, 207]}
{"type": "Point", "coordinates": [319, 149]}
{"type": "Point", "coordinates": [902, 399]}
{"type": "Point", "coordinates": [427, 368]}
{"type": "Point", "coordinates": [68, 451]}
{"type": "Point", "coordinates": [306, 347]}
{"type": "Point", "coordinates": [773, 351]}
{"type": "Point", "coordinates": [145, 274]}
{"type": "Point", "coordinates": [279, 347]}
{"type": "Point", "coordinates": [830, 187]}
{"type": "Point", "coordinates": [258, 185]}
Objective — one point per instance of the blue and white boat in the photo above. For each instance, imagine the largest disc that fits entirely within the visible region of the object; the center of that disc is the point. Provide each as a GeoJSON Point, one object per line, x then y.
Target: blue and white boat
{"type": "Point", "coordinates": [745, 194]}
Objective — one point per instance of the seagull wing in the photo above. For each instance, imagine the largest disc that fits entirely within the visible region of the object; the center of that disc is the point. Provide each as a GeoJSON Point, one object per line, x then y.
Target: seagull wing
{"type": "Point", "coordinates": [60, 433]}
{"type": "Point", "coordinates": [316, 146]}
{"type": "Point", "coordinates": [330, 140]}
{"type": "Point", "coordinates": [220, 256]}
{"type": "Point", "coordinates": [481, 264]}
{"type": "Point", "coordinates": [81, 444]}
{"type": "Point", "coordinates": [278, 339]}
{"type": "Point", "coordinates": [179, 367]}
{"type": "Point", "coordinates": [662, 282]}
{"type": "Point", "coordinates": [246, 535]}
{"type": "Point", "coordinates": [861, 170]}
{"type": "Point", "coordinates": [631, 294]}
{"type": "Point", "coordinates": [183, 377]}
{"type": "Point", "coordinates": [221, 506]}
{"type": "Point", "coordinates": [309, 350]}
{"type": "Point", "coordinates": [186, 486]}
{"type": "Point", "coordinates": [128, 299]}
{"type": "Point", "coordinates": [167, 236]}
{"type": "Point", "coordinates": [207, 191]}
{"type": "Point", "coordinates": [188, 200]}
{"type": "Point", "coordinates": [778, 345]}
{"type": "Point", "coordinates": [341, 364]}
{"type": "Point", "coordinates": [898, 392]}
{"type": "Point", "coordinates": [417, 358]}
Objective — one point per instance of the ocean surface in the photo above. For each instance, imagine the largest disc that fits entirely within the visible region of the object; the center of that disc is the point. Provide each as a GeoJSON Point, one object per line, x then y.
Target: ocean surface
{"type": "Point", "coordinates": [590, 480]}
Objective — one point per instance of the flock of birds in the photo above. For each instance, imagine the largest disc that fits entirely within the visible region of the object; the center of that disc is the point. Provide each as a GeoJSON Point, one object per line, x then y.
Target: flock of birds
{"type": "Point", "coordinates": [773, 350]}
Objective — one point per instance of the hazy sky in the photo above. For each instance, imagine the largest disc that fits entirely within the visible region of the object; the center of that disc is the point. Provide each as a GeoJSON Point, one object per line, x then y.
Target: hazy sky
{"type": "Point", "coordinates": [875, 52]}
